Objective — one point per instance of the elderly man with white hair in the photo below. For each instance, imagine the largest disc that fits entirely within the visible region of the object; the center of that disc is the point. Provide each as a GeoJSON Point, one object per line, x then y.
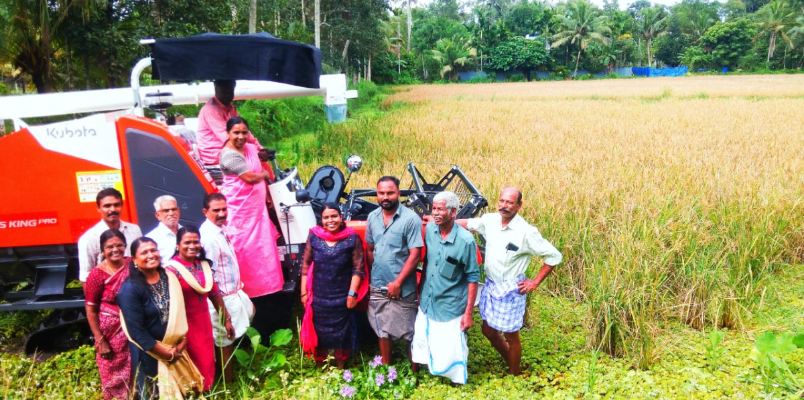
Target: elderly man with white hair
{"type": "Point", "coordinates": [168, 213]}
{"type": "Point", "coordinates": [448, 293]}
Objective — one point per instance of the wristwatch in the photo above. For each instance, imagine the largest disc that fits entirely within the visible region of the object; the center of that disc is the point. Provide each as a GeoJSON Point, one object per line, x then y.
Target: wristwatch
{"type": "Point", "coordinates": [352, 293]}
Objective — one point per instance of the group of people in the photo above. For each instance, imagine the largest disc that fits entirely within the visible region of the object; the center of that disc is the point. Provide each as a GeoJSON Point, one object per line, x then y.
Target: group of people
{"type": "Point", "coordinates": [167, 307]}
{"type": "Point", "coordinates": [435, 316]}
{"type": "Point", "coordinates": [164, 306]}
{"type": "Point", "coordinates": [168, 304]}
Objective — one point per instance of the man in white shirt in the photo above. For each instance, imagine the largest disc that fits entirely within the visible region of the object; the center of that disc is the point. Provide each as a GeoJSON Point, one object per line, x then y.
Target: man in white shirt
{"type": "Point", "coordinates": [168, 213]}
{"type": "Point", "coordinates": [510, 244]}
{"type": "Point", "coordinates": [109, 202]}
{"type": "Point", "coordinates": [226, 273]}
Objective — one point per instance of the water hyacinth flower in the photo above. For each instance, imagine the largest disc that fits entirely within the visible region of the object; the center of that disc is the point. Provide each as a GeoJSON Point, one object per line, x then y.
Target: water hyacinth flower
{"type": "Point", "coordinates": [391, 374]}
{"type": "Point", "coordinates": [347, 376]}
{"type": "Point", "coordinates": [376, 362]}
{"type": "Point", "coordinates": [380, 380]}
{"type": "Point", "coordinates": [347, 392]}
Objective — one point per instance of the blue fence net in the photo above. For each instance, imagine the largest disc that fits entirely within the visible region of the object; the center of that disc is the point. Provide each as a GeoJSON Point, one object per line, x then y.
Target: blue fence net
{"type": "Point", "coordinates": [647, 71]}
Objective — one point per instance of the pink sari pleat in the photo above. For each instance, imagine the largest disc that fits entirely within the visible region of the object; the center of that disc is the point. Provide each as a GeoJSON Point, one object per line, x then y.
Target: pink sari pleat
{"type": "Point", "coordinates": [251, 232]}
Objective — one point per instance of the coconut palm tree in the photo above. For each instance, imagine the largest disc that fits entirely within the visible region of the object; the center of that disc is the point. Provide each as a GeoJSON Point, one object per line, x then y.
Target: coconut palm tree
{"type": "Point", "coordinates": [30, 37]}
{"type": "Point", "coordinates": [697, 26]}
{"type": "Point", "coordinates": [652, 23]}
{"type": "Point", "coordinates": [772, 19]}
{"type": "Point", "coordinates": [392, 39]}
{"type": "Point", "coordinates": [581, 24]}
{"type": "Point", "coordinates": [410, 22]}
{"type": "Point", "coordinates": [252, 16]}
{"type": "Point", "coordinates": [797, 33]}
{"type": "Point", "coordinates": [451, 53]}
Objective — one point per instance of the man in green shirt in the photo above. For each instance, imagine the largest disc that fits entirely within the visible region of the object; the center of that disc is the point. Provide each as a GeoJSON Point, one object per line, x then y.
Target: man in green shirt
{"type": "Point", "coordinates": [448, 295]}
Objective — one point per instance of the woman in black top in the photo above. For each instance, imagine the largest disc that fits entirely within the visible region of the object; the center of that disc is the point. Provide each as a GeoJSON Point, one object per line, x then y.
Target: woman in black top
{"type": "Point", "coordinates": [144, 301]}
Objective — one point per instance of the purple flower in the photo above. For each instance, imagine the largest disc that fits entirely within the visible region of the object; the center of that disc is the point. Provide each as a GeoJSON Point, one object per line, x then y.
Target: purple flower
{"type": "Point", "coordinates": [347, 376]}
{"type": "Point", "coordinates": [347, 392]}
{"type": "Point", "coordinates": [376, 362]}
{"type": "Point", "coordinates": [380, 380]}
{"type": "Point", "coordinates": [391, 374]}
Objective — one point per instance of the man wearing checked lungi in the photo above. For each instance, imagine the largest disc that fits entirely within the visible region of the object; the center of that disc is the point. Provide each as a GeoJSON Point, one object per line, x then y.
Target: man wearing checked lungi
{"type": "Point", "coordinates": [393, 249]}
{"type": "Point", "coordinates": [510, 244]}
{"type": "Point", "coordinates": [448, 294]}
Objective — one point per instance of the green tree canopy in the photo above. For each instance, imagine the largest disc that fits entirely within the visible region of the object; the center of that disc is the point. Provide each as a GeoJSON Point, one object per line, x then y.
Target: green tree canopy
{"type": "Point", "coordinates": [526, 18]}
{"type": "Point", "coordinates": [695, 17]}
{"type": "Point", "coordinates": [670, 47]}
{"type": "Point", "coordinates": [519, 54]}
{"type": "Point", "coordinates": [727, 43]}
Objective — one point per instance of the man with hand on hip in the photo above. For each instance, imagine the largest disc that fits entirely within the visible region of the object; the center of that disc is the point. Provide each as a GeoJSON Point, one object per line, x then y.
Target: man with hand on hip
{"type": "Point", "coordinates": [510, 244]}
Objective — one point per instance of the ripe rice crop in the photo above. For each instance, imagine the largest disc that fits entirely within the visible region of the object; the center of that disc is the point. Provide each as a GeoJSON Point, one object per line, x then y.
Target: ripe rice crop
{"type": "Point", "coordinates": [670, 198]}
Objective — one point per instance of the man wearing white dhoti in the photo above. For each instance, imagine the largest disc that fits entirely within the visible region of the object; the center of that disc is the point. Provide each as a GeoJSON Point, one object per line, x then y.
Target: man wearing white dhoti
{"type": "Point", "coordinates": [448, 294]}
{"type": "Point", "coordinates": [226, 273]}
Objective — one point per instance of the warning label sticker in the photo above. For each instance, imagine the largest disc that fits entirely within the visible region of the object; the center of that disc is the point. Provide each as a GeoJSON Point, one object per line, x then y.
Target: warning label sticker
{"type": "Point", "coordinates": [92, 182]}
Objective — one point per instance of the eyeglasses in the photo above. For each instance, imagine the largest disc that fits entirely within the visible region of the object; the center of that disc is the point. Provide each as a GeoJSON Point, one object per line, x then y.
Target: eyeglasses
{"type": "Point", "coordinates": [169, 210]}
{"type": "Point", "coordinates": [114, 246]}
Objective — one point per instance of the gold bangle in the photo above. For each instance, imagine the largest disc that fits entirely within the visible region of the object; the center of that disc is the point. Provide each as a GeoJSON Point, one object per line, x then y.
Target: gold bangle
{"type": "Point", "coordinates": [172, 356]}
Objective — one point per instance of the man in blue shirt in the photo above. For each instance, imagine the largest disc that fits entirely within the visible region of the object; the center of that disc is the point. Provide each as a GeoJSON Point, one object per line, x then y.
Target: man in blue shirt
{"type": "Point", "coordinates": [393, 249]}
{"type": "Point", "coordinates": [448, 295]}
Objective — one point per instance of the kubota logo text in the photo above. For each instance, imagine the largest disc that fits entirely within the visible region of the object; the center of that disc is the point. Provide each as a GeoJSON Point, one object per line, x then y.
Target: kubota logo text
{"type": "Point", "coordinates": [65, 132]}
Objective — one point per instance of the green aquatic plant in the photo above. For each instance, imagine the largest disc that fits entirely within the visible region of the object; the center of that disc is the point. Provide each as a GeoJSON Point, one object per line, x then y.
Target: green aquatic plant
{"type": "Point", "coordinates": [768, 352]}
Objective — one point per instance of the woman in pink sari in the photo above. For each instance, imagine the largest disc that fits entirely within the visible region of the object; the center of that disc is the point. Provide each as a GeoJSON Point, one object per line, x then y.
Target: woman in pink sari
{"type": "Point", "coordinates": [103, 314]}
{"type": "Point", "coordinates": [250, 230]}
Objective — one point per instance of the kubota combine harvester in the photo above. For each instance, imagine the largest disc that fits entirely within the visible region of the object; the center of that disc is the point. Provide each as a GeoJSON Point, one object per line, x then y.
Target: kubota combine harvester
{"type": "Point", "coordinates": [52, 173]}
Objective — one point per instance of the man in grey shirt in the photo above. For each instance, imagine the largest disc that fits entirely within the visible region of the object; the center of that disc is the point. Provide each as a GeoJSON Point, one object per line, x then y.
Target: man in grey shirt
{"type": "Point", "coordinates": [394, 243]}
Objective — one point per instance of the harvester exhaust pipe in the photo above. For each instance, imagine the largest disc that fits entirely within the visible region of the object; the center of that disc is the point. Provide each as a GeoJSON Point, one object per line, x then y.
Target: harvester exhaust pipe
{"type": "Point", "coordinates": [135, 82]}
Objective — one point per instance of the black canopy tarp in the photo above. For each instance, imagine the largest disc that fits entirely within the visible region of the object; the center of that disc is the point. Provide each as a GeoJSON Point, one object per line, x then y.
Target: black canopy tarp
{"type": "Point", "coordinates": [258, 56]}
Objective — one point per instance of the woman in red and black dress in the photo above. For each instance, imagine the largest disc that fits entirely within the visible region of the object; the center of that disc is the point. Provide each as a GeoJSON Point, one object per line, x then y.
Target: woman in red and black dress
{"type": "Point", "coordinates": [103, 314]}
{"type": "Point", "coordinates": [197, 284]}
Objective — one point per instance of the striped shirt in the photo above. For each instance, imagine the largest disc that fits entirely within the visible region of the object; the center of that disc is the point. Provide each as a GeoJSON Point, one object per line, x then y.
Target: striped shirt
{"type": "Point", "coordinates": [225, 269]}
